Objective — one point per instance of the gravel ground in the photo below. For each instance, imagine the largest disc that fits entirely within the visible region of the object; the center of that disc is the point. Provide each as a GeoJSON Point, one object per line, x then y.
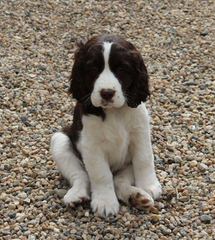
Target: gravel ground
{"type": "Point", "coordinates": [37, 43]}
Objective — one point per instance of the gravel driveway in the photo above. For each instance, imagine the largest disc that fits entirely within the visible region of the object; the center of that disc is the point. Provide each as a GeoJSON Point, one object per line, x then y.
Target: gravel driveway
{"type": "Point", "coordinates": [37, 43]}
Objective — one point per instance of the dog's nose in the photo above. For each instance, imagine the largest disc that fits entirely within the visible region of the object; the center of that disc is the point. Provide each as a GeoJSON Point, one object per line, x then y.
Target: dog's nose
{"type": "Point", "coordinates": [107, 94]}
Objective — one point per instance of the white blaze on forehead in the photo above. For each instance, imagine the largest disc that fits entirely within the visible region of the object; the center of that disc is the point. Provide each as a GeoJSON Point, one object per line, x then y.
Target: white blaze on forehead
{"type": "Point", "coordinates": [107, 49]}
{"type": "Point", "coordinates": [107, 80]}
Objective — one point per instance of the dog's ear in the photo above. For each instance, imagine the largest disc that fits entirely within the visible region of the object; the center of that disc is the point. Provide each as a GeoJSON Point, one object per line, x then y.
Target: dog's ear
{"type": "Point", "coordinates": [139, 89]}
{"type": "Point", "coordinates": [76, 78]}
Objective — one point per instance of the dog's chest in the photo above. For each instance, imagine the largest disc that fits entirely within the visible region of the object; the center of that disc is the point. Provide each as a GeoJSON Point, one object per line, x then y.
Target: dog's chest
{"type": "Point", "coordinates": [115, 141]}
{"type": "Point", "coordinates": [110, 136]}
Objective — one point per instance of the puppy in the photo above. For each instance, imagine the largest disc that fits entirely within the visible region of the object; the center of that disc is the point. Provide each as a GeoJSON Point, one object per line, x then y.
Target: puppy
{"type": "Point", "coordinates": [106, 154]}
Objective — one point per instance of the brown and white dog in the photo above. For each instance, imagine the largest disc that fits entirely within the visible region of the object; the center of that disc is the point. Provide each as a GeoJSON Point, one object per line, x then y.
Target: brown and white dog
{"type": "Point", "coordinates": [106, 154]}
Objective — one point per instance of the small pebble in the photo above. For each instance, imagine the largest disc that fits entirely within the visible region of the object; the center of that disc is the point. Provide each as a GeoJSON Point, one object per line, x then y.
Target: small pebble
{"type": "Point", "coordinates": [203, 166]}
{"type": "Point", "coordinates": [193, 163]}
{"type": "Point", "coordinates": [22, 195]}
{"type": "Point", "coordinates": [155, 218]}
{"type": "Point", "coordinates": [12, 214]}
{"type": "Point", "coordinates": [31, 237]}
{"type": "Point", "coordinates": [165, 230]}
{"type": "Point", "coordinates": [27, 200]}
{"type": "Point", "coordinates": [206, 218]}
{"type": "Point", "coordinates": [204, 33]}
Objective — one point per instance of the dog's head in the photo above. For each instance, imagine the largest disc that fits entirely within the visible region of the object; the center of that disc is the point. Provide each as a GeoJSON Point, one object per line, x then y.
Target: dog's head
{"type": "Point", "coordinates": [109, 72]}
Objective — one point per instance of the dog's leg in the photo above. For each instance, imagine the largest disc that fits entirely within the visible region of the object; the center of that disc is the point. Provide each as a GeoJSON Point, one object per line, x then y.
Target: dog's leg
{"type": "Point", "coordinates": [143, 159]}
{"type": "Point", "coordinates": [70, 167]}
{"type": "Point", "coordinates": [104, 200]}
{"type": "Point", "coordinates": [129, 194]}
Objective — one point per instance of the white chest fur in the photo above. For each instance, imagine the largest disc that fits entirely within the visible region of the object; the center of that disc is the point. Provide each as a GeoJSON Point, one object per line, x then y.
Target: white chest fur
{"type": "Point", "coordinates": [112, 136]}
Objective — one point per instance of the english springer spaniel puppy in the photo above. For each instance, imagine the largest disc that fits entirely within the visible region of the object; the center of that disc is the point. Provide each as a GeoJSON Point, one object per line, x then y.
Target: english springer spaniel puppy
{"type": "Point", "coordinates": [106, 154]}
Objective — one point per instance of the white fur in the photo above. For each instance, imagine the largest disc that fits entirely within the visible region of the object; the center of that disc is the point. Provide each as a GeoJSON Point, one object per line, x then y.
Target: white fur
{"type": "Point", "coordinates": [71, 168]}
{"type": "Point", "coordinates": [107, 80]}
{"type": "Point", "coordinates": [107, 147]}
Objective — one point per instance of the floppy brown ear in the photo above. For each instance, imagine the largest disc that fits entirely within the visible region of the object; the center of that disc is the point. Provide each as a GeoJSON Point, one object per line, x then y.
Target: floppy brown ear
{"type": "Point", "coordinates": [76, 78]}
{"type": "Point", "coordinates": [139, 89]}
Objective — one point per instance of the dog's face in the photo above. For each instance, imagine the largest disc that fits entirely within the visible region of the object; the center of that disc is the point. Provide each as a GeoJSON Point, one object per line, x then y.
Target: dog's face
{"type": "Point", "coordinates": [109, 72]}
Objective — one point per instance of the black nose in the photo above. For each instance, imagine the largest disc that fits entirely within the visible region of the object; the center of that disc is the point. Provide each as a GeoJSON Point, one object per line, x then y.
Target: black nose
{"type": "Point", "coordinates": [107, 94]}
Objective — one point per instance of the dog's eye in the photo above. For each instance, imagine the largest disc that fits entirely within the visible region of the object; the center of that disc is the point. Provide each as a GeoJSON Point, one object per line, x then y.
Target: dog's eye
{"type": "Point", "coordinates": [92, 71]}
{"type": "Point", "coordinates": [123, 68]}
{"type": "Point", "coordinates": [90, 67]}
{"type": "Point", "coordinates": [120, 69]}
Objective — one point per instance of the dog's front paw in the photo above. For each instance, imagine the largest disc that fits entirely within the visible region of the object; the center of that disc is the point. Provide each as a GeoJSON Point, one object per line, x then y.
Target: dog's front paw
{"type": "Point", "coordinates": [154, 189]}
{"type": "Point", "coordinates": [74, 196]}
{"type": "Point", "coordinates": [105, 204]}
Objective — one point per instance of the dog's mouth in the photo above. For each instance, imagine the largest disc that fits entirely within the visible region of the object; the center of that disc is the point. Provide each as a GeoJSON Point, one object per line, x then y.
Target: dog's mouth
{"type": "Point", "coordinates": [114, 102]}
{"type": "Point", "coordinates": [106, 104]}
